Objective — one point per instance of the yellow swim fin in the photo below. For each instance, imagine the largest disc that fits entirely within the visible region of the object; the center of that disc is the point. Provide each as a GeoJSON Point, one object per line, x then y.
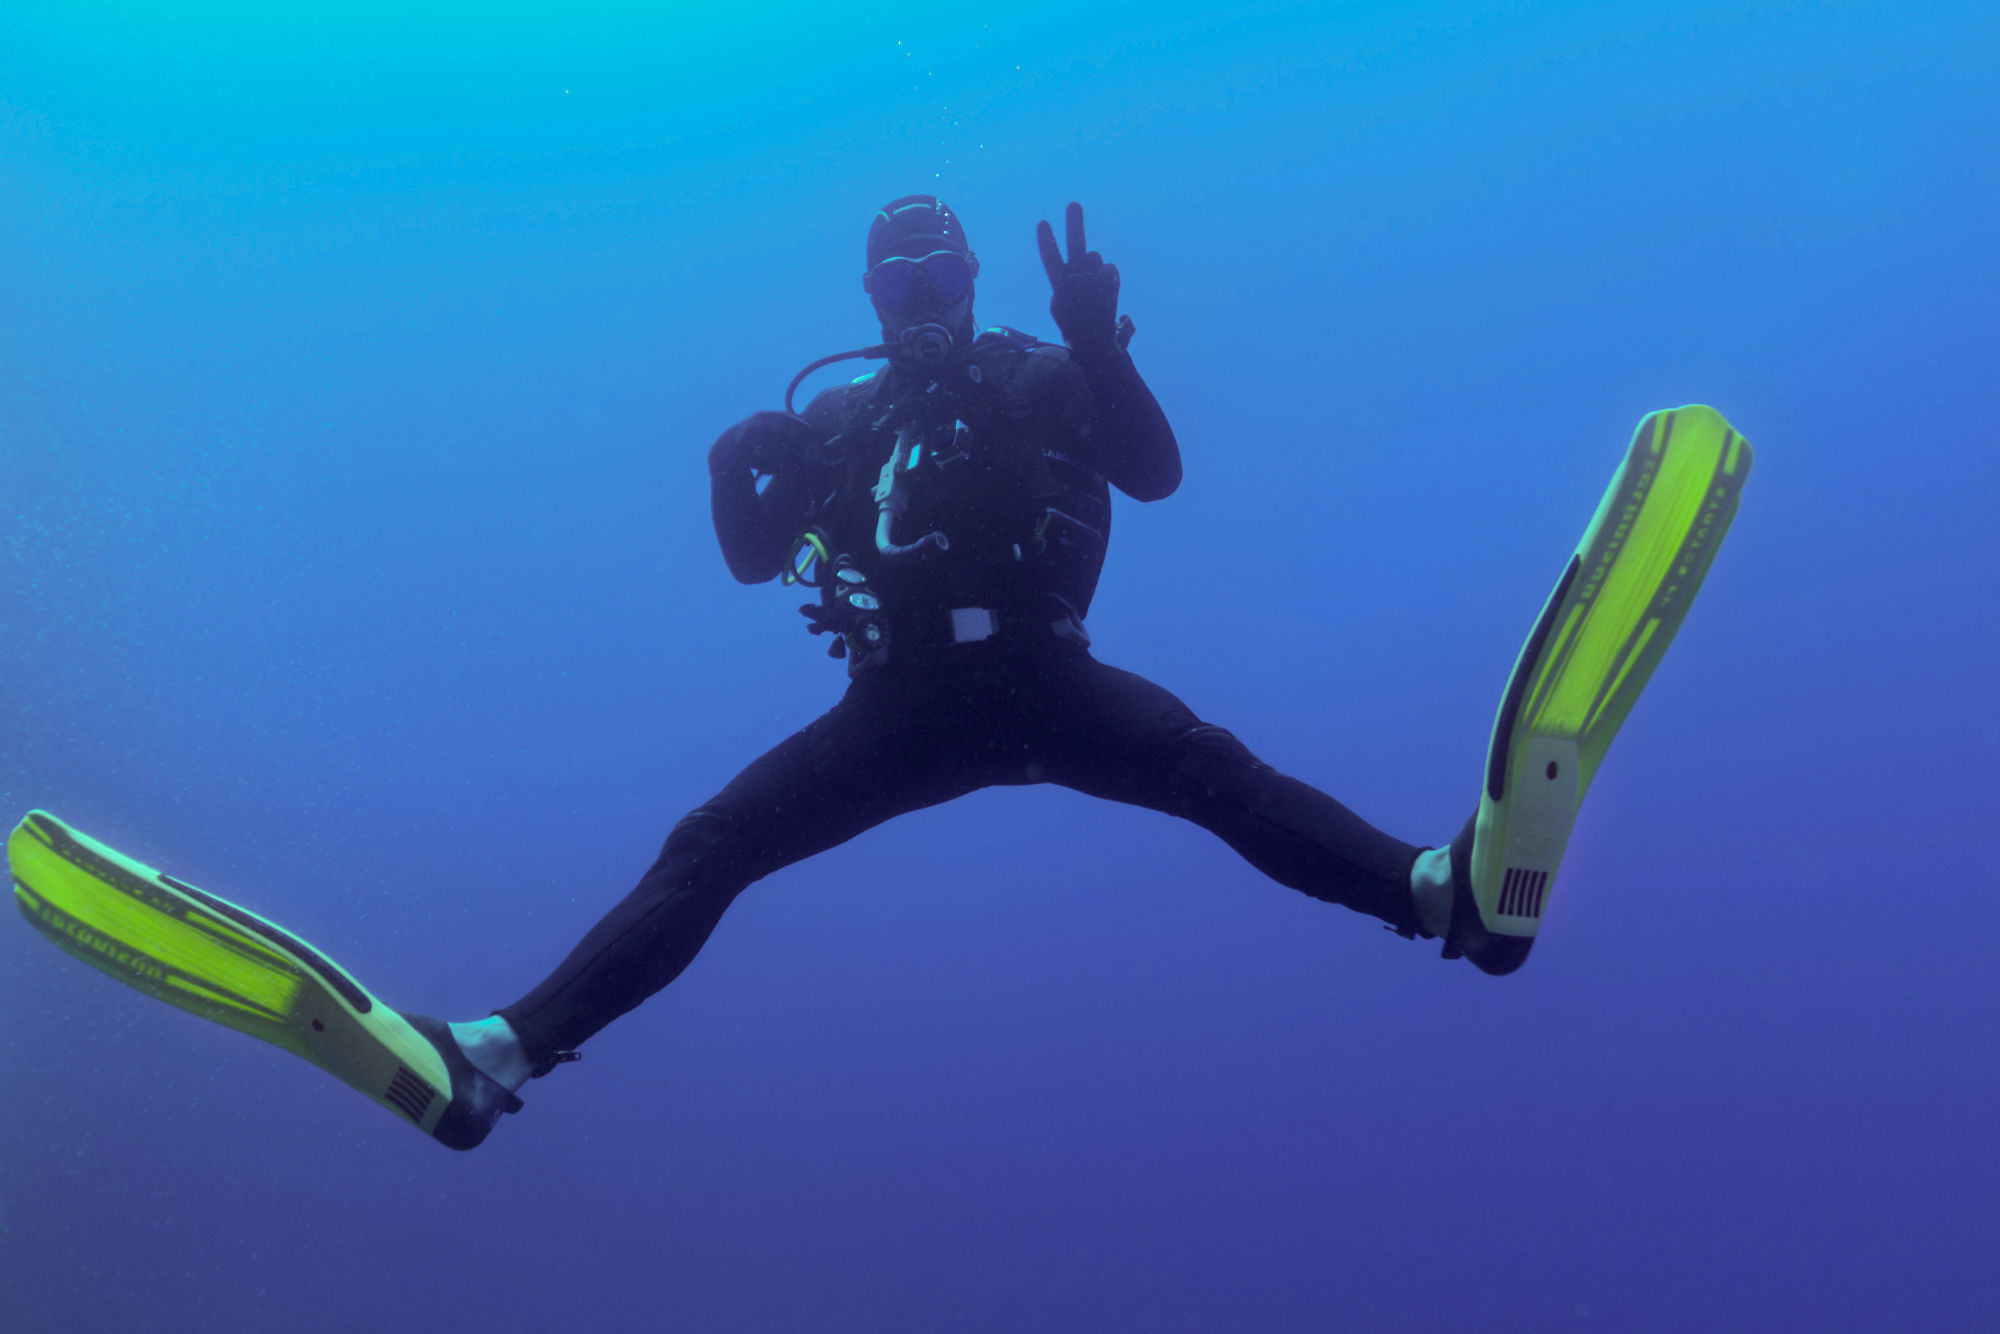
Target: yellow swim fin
{"type": "Point", "coordinates": [212, 958]}
{"type": "Point", "coordinates": [1603, 631]}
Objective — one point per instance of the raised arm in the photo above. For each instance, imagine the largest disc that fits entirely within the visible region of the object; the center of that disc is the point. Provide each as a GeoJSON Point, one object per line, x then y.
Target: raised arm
{"type": "Point", "coordinates": [1135, 444]}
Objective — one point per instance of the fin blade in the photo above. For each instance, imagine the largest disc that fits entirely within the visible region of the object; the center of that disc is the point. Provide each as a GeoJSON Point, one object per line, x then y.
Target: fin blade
{"type": "Point", "coordinates": [1636, 571]}
{"type": "Point", "coordinates": [207, 956]}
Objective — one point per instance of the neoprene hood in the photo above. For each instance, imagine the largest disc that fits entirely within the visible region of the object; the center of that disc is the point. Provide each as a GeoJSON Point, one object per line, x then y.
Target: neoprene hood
{"type": "Point", "coordinates": [912, 227]}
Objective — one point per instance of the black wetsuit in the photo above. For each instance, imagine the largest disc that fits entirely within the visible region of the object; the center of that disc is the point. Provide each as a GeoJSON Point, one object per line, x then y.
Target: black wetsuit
{"type": "Point", "coordinates": [1022, 432]}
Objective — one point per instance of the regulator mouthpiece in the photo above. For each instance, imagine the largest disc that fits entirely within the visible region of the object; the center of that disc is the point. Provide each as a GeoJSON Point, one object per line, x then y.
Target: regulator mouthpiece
{"type": "Point", "coordinates": [926, 344]}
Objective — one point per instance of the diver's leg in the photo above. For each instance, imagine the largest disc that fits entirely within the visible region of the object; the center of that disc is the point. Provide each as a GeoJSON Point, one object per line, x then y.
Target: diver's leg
{"type": "Point", "coordinates": [859, 764]}
{"type": "Point", "coordinates": [1121, 737]}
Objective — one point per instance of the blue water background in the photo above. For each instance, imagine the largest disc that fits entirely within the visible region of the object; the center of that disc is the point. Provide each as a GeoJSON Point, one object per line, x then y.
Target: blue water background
{"type": "Point", "coordinates": [356, 373]}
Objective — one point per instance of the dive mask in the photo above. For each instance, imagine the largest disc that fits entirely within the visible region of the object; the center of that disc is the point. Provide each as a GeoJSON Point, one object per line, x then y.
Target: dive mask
{"type": "Point", "coordinates": [946, 272]}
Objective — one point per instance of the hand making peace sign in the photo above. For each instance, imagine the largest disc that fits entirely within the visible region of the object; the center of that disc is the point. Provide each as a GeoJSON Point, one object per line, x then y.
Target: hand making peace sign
{"type": "Point", "coordinates": [1085, 304]}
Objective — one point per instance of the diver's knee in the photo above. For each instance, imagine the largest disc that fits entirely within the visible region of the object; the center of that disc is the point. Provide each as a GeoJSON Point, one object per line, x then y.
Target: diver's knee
{"type": "Point", "coordinates": [700, 835]}
{"type": "Point", "coordinates": [703, 857]}
{"type": "Point", "coordinates": [1206, 753]}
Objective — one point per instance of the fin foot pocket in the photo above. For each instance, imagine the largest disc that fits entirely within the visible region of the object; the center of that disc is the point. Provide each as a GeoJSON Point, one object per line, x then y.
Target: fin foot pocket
{"type": "Point", "coordinates": [476, 1100]}
{"type": "Point", "coordinates": [1613, 614]}
{"type": "Point", "coordinates": [1488, 951]}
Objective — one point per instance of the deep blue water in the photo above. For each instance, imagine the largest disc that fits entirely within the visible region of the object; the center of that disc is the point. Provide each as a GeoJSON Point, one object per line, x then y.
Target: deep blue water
{"type": "Point", "coordinates": [356, 374]}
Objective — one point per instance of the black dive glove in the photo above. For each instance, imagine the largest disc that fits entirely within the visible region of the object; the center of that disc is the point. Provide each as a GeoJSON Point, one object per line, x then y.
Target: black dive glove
{"type": "Point", "coordinates": [764, 443]}
{"type": "Point", "coordinates": [1085, 304]}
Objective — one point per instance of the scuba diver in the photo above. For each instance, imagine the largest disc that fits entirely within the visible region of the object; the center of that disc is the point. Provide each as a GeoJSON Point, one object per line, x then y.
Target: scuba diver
{"type": "Point", "coordinates": [952, 511]}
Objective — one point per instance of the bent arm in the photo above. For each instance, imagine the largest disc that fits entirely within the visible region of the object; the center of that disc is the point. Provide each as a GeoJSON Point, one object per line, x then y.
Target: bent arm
{"type": "Point", "coordinates": [755, 529]}
{"type": "Point", "coordinates": [1135, 445]}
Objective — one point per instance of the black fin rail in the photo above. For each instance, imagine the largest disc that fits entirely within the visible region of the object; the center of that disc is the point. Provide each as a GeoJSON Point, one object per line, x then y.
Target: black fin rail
{"type": "Point", "coordinates": [1496, 764]}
